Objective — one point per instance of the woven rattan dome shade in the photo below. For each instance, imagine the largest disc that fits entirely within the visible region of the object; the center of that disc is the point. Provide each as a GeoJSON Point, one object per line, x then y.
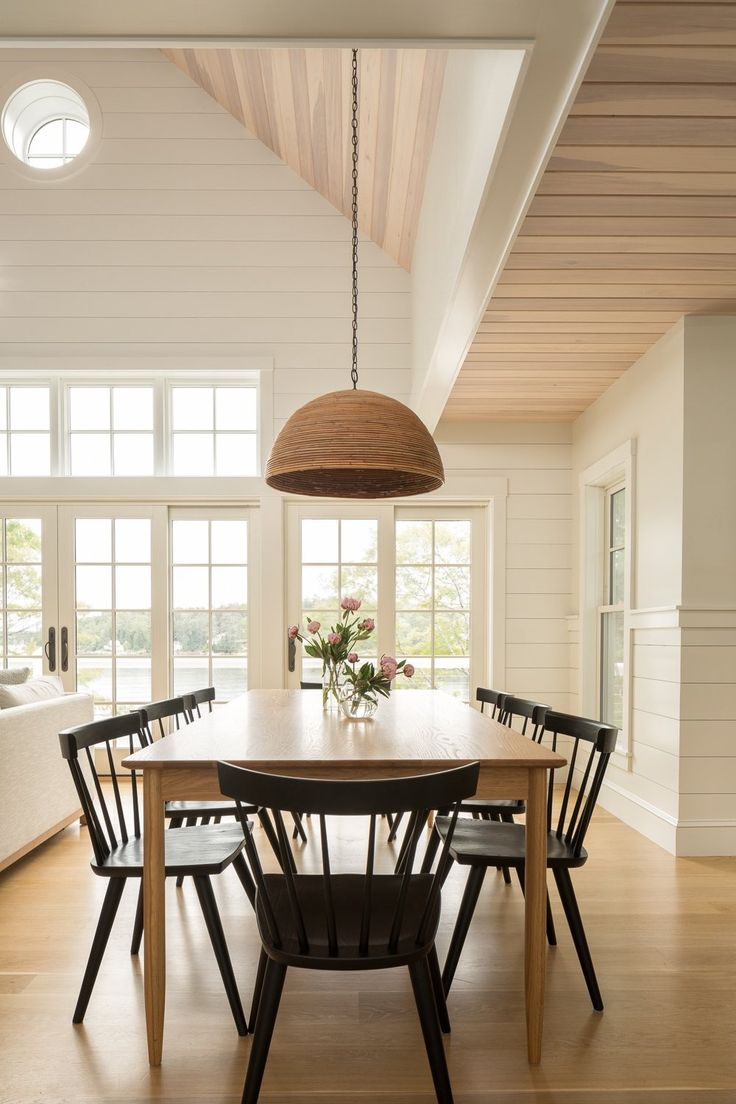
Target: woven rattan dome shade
{"type": "Point", "coordinates": [355, 444]}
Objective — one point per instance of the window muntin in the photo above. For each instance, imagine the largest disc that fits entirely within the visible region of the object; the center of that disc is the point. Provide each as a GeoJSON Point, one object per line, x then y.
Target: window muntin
{"type": "Point", "coordinates": [112, 593]}
{"type": "Point", "coordinates": [611, 612]}
{"type": "Point", "coordinates": [339, 559]}
{"type": "Point", "coordinates": [209, 602]}
{"type": "Point", "coordinates": [433, 575]}
{"type": "Point", "coordinates": [213, 430]}
{"type": "Point", "coordinates": [110, 430]}
{"type": "Point", "coordinates": [25, 430]}
{"type": "Point", "coordinates": [46, 124]}
{"type": "Point", "coordinates": [21, 593]}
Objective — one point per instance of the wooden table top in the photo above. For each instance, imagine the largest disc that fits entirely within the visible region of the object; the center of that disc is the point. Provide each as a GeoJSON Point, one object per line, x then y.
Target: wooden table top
{"type": "Point", "coordinates": [268, 729]}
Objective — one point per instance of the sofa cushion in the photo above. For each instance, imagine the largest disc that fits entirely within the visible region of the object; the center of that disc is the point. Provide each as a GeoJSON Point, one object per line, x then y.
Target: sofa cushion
{"type": "Point", "coordinates": [49, 686]}
{"type": "Point", "coordinates": [11, 676]}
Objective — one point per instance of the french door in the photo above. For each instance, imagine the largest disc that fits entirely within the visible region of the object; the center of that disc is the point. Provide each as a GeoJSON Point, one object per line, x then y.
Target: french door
{"type": "Point", "coordinates": [420, 572]}
{"type": "Point", "coordinates": [129, 602]}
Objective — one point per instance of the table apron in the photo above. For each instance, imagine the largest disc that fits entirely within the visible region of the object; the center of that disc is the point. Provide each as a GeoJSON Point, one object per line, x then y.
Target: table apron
{"type": "Point", "coordinates": [200, 783]}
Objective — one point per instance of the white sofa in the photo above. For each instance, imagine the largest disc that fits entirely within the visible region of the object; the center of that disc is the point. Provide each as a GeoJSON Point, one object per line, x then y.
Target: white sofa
{"type": "Point", "coordinates": [37, 796]}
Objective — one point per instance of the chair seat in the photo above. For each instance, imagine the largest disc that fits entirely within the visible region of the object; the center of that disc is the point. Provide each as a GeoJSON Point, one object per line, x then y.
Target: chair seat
{"type": "Point", "coordinates": [485, 843]}
{"type": "Point", "coordinates": [204, 850]}
{"type": "Point", "coordinates": [200, 808]}
{"type": "Point", "coordinates": [347, 891]}
{"type": "Point", "coordinates": [492, 805]}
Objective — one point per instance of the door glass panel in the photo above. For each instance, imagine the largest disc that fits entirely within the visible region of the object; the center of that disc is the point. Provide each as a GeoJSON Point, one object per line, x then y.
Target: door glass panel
{"type": "Point", "coordinates": [113, 611]}
{"type": "Point", "coordinates": [433, 603]}
{"type": "Point", "coordinates": [21, 594]}
{"type": "Point", "coordinates": [210, 605]}
{"type": "Point", "coordinates": [339, 560]}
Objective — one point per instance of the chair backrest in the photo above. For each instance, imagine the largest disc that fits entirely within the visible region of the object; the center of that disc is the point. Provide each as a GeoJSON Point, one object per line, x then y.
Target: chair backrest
{"type": "Point", "coordinates": [532, 714]}
{"type": "Point", "coordinates": [179, 710]}
{"type": "Point", "coordinates": [107, 826]}
{"type": "Point", "coordinates": [310, 685]}
{"type": "Point", "coordinates": [593, 743]}
{"type": "Point", "coordinates": [273, 795]}
{"type": "Point", "coordinates": [491, 698]}
{"type": "Point", "coordinates": [203, 697]}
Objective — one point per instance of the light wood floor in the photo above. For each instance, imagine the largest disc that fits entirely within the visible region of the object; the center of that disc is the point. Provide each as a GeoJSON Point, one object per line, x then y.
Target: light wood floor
{"type": "Point", "coordinates": [662, 932]}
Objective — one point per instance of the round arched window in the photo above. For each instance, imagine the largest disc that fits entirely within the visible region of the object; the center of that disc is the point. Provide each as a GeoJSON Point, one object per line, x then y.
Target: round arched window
{"type": "Point", "coordinates": [45, 124]}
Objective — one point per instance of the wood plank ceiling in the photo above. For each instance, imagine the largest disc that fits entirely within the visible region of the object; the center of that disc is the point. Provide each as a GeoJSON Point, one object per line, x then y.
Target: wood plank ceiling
{"type": "Point", "coordinates": [298, 102]}
{"type": "Point", "coordinates": [633, 224]}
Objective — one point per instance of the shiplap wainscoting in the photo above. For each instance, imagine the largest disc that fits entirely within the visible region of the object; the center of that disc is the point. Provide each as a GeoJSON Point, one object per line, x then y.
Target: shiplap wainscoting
{"type": "Point", "coordinates": [535, 459]}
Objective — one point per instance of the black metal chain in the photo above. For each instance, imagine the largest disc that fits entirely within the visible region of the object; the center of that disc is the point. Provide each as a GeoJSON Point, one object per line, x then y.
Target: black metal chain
{"type": "Point", "coordinates": [354, 370]}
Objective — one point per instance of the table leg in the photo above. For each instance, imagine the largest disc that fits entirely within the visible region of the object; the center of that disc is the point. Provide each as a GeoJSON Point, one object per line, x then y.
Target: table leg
{"type": "Point", "coordinates": [535, 879]}
{"type": "Point", "coordinates": [154, 914]}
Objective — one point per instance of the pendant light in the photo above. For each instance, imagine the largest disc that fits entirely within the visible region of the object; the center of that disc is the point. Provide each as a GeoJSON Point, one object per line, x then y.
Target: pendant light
{"type": "Point", "coordinates": [354, 443]}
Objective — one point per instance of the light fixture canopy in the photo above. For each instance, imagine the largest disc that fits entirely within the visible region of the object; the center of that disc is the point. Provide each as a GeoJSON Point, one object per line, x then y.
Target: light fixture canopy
{"type": "Point", "coordinates": [355, 443]}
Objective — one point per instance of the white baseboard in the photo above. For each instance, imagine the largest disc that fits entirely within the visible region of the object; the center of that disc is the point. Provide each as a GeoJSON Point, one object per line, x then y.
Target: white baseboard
{"type": "Point", "coordinates": [680, 837]}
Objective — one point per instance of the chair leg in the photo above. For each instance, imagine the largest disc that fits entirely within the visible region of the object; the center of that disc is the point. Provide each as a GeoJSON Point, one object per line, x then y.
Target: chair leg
{"type": "Point", "coordinates": [572, 912]}
{"type": "Point", "coordinates": [258, 989]}
{"type": "Point", "coordinates": [426, 1007]}
{"type": "Point", "coordinates": [135, 943]}
{"type": "Point", "coordinates": [113, 893]}
{"type": "Point", "coordinates": [240, 867]}
{"type": "Point", "coordinates": [395, 827]}
{"type": "Point", "coordinates": [467, 908]}
{"type": "Point", "coordinates": [176, 821]}
{"type": "Point", "coordinates": [273, 984]}
{"type": "Point", "coordinates": [217, 936]}
{"type": "Point", "coordinates": [188, 823]}
{"type": "Point", "coordinates": [439, 992]}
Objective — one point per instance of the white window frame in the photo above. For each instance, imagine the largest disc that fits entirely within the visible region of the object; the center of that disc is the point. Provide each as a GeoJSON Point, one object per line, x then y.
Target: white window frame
{"type": "Point", "coordinates": [387, 514]}
{"type": "Point", "coordinates": [606, 606]}
{"type": "Point", "coordinates": [53, 430]}
{"type": "Point", "coordinates": [255, 372]}
{"type": "Point", "coordinates": [615, 470]}
{"type": "Point", "coordinates": [213, 382]}
{"type": "Point", "coordinates": [248, 513]}
{"type": "Point", "coordinates": [110, 384]}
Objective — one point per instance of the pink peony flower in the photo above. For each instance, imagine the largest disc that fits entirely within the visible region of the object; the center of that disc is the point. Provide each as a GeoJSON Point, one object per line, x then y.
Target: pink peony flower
{"type": "Point", "coordinates": [351, 604]}
{"type": "Point", "coordinates": [293, 632]}
{"type": "Point", "coordinates": [353, 657]}
{"type": "Point", "coordinates": [312, 626]}
{"type": "Point", "coordinates": [367, 625]}
{"type": "Point", "coordinates": [409, 669]}
{"type": "Point", "coordinates": [388, 667]}
{"type": "Point", "coordinates": [334, 638]}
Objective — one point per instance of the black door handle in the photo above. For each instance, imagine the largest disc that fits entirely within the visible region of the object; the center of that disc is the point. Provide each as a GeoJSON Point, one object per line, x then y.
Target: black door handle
{"type": "Point", "coordinates": [292, 655]}
{"type": "Point", "coordinates": [64, 648]}
{"type": "Point", "coordinates": [50, 648]}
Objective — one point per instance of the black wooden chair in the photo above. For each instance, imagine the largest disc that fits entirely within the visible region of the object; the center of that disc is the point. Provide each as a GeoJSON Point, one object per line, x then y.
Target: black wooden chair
{"type": "Point", "coordinates": [348, 921]}
{"type": "Point", "coordinates": [118, 849]}
{"type": "Point", "coordinates": [201, 697]}
{"type": "Point", "coordinates": [480, 844]}
{"type": "Point", "coordinates": [506, 709]}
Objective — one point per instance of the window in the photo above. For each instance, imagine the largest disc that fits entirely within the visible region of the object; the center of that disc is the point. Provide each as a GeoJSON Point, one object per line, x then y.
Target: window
{"type": "Point", "coordinates": [110, 430]}
{"type": "Point", "coordinates": [433, 567]}
{"type": "Point", "coordinates": [213, 430]}
{"type": "Point", "coordinates": [46, 124]}
{"type": "Point", "coordinates": [209, 587]}
{"type": "Point", "coordinates": [112, 576]}
{"type": "Point", "coordinates": [339, 559]}
{"type": "Point", "coordinates": [25, 430]}
{"type": "Point", "coordinates": [21, 620]}
{"type": "Point", "coordinates": [611, 612]}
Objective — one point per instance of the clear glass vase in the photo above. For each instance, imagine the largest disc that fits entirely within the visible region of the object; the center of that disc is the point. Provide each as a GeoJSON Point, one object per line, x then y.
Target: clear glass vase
{"type": "Point", "coordinates": [331, 686]}
{"type": "Point", "coordinates": [355, 705]}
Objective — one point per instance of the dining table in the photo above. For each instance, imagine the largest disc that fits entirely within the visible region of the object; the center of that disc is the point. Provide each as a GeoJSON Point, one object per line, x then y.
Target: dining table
{"type": "Point", "coordinates": [288, 732]}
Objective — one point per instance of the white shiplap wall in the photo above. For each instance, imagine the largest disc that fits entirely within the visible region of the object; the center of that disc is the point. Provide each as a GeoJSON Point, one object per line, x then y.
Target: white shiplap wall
{"type": "Point", "coordinates": [183, 236]}
{"type": "Point", "coordinates": [535, 459]}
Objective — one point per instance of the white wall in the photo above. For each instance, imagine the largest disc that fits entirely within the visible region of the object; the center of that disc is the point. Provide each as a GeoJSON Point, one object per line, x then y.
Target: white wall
{"type": "Point", "coordinates": [184, 237]}
{"type": "Point", "coordinates": [535, 459]}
